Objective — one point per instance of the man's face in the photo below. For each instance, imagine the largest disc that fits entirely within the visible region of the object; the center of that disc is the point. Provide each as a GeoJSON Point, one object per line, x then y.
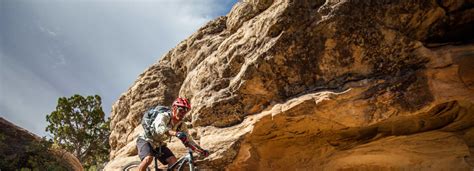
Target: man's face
{"type": "Point", "coordinates": [180, 112]}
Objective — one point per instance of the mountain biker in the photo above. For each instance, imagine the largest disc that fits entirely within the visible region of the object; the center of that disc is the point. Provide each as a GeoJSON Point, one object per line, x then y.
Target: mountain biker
{"type": "Point", "coordinates": [168, 123]}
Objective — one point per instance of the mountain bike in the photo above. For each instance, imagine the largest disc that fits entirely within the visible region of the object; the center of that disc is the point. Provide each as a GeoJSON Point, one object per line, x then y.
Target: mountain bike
{"type": "Point", "coordinates": [184, 163]}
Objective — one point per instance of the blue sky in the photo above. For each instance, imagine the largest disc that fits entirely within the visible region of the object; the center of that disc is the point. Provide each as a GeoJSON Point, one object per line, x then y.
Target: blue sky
{"type": "Point", "coordinates": [57, 48]}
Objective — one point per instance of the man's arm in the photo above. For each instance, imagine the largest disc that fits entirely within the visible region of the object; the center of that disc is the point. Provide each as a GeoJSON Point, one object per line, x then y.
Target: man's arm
{"type": "Point", "coordinates": [190, 141]}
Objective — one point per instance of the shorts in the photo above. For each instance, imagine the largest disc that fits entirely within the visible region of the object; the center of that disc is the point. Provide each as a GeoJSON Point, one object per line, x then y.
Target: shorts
{"type": "Point", "coordinates": [145, 149]}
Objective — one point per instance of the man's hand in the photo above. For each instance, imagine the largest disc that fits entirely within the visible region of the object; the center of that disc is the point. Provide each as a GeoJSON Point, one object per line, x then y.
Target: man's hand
{"type": "Point", "coordinates": [182, 136]}
{"type": "Point", "coordinates": [205, 153]}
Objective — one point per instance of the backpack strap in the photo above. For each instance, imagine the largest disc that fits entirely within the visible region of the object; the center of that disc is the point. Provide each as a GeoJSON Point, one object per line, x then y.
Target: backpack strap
{"type": "Point", "coordinates": [169, 122]}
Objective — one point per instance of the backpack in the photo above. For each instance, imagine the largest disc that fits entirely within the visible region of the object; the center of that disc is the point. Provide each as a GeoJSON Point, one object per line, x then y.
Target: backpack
{"type": "Point", "coordinates": [150, 116]}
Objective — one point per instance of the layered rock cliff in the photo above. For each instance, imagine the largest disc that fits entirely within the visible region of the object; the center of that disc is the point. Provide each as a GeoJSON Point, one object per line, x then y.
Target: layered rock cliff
{"type": "Point", "coordinates": [278, 84]}
{"type": "Point", "coordinates": [22, 149]}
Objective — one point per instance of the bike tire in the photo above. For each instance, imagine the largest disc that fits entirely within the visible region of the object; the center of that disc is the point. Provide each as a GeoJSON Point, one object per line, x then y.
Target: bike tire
{"type": "Point", "coordinates": [132, 166]}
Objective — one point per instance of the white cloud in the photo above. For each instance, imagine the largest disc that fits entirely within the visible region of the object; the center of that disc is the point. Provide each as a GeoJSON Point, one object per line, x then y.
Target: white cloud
{"type": "Point", "coordinates": [48, 31]}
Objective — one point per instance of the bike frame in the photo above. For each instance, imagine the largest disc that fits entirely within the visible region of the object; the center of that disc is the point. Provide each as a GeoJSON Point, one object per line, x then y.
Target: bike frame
{"type": "Point", "coordinates": [188, 158]}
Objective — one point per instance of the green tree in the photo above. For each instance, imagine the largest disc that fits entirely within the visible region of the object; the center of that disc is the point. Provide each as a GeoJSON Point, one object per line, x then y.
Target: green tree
{"type": "Point", "coordinates": [78, 126]}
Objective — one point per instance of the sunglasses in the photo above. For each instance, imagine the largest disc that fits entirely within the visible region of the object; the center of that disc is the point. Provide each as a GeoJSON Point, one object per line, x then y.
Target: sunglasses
{"type": "Point", "coordinates": [180, 109]}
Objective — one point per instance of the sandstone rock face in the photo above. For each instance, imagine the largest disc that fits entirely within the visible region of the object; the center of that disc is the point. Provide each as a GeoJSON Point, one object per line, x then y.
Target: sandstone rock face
{"type": "Point", "coordinates": [15, 144]}
{"type": "Point", "coordinates": [279, 84]}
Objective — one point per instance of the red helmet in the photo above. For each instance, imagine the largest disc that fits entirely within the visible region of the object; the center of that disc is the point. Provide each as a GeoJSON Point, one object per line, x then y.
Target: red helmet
{"type": "Point", "coordinates": [182, 102]}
